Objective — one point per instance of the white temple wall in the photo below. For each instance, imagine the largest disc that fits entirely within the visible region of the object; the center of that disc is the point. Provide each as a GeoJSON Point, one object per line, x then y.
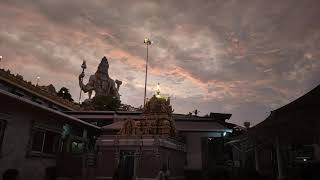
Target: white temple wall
{"type": "Point", "coordinates": [15, 147]}
{"type": "Point", "coordinates": [194, 151]}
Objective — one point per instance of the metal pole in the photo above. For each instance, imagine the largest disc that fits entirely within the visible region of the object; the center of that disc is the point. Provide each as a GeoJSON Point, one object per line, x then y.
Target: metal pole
{"type": "Point", "coordinates": [81, 89]}
{"type": "Point", "coordinates": [80, 96]}
{"type": "Point", "coordinates": [83, 66]}
{"type": "Point", "coordinates": [145, 83]}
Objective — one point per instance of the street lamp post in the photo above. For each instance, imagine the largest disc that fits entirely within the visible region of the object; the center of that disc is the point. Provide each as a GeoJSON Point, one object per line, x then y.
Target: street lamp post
{"type": "Point", "coordinates": [38, 79]}
{"type": "Point", "coordinates": [63, 94]}
{"type": "Point", "coordinates": [147, 42]}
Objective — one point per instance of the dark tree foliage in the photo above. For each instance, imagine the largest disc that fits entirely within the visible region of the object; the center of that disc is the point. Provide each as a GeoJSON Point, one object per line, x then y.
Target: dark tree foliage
{"type": "Point", "coordinates": [65, 94]}
{"type": "Point", "coordinates": [106, 103]}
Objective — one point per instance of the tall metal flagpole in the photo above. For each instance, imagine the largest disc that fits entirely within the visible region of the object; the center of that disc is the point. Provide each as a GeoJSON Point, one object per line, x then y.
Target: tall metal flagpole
{"type": "Point", "coordinates": [146, 42]}
{"type": "Point", "coordinates": [83, 66]}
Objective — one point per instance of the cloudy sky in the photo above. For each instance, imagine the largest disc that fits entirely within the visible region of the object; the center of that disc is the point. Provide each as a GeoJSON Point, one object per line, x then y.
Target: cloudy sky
{"type": "Point", "coordinates": [245, 57]}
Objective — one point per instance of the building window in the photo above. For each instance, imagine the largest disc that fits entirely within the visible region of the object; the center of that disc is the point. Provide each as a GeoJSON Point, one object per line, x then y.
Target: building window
{"type": "Point", "coordinates": [45, 141]}
{"type": "Point", "coordinates": [3, 125]}
{"type": "Point", "coordinates": [303, 153]}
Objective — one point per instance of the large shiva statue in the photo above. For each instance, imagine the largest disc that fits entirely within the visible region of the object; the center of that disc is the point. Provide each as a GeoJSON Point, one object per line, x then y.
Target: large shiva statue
{"type": "Point", "coordinates": [100, 82]}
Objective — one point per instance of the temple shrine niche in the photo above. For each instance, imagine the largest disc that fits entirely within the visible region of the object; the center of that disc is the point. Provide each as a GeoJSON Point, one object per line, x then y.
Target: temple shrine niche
{"type": "Point", "coordinates": [143, 145]}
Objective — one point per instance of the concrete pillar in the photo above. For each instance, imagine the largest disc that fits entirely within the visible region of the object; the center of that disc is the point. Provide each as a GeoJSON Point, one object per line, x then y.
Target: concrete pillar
{"type": "Point", "coordinates": [85, 133]}
{"type": "Point", "coordinates": [316, 151]}
{"type": "Point", "coordinates": [281, 174]}
{"type": "Point", "coordinates": [256, 158]}
{"type": "Point", "coordinates": [136, 159]}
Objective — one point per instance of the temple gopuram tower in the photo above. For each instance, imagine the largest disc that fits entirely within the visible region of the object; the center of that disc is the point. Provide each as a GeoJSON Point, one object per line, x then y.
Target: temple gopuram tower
{"type": "Point", "coordinates": [143, 146]}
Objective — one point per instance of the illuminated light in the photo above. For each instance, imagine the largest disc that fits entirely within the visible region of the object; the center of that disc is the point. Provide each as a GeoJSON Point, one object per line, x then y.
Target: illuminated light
{"type": "Point", "coordinates": [225, 133]}
{"type": "Point", "coordinates": [147, 41]}
{"type": "Point", "coordinates": [38, 79]}
{"type": "Point", "coordinates": [304, 159]}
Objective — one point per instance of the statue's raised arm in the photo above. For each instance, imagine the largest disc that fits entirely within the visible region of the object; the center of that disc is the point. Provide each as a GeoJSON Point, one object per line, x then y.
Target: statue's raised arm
{"type": "Point", "coordinates": [89, 87]}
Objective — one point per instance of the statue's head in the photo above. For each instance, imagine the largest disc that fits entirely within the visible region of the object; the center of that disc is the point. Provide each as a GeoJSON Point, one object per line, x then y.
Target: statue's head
{"type": "Point", "coordinates": [103, 66]}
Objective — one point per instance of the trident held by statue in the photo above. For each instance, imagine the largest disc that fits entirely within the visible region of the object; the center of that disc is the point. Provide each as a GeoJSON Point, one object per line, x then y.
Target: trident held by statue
{"type": "Point", "coordinates": [83, 66]}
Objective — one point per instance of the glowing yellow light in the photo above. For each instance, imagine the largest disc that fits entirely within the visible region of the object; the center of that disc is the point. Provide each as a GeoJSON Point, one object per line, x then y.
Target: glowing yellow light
{"type": "Point", "coordinates": [147, 41]}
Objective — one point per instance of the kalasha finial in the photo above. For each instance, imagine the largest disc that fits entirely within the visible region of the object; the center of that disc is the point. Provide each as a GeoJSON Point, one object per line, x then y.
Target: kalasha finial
{"type": "Point", "coordinates": [158, 89]}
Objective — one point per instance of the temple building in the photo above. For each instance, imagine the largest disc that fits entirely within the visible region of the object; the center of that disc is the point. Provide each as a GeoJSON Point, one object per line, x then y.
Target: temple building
{"type": "Point", "coordinates": [286, 144]}
{"type": "Point", "coordinates": [34, 129]}
{"type": "Point", "coordinates": [199, 138]}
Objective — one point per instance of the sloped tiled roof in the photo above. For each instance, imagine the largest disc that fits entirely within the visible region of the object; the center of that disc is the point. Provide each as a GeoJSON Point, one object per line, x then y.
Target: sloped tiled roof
{"type": "Point", "coordinates": [18, 81]}
{"type": "Point", "coordinates": [309, 101]}
{"type": "Point", "coordinates": [295, 122]}
{"type": "Point", "coordinates": [190, 126]}
{"type": "Point", "coordinates": [8, 98]}
{"type": "Point", "coordinates": [201, 126]}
